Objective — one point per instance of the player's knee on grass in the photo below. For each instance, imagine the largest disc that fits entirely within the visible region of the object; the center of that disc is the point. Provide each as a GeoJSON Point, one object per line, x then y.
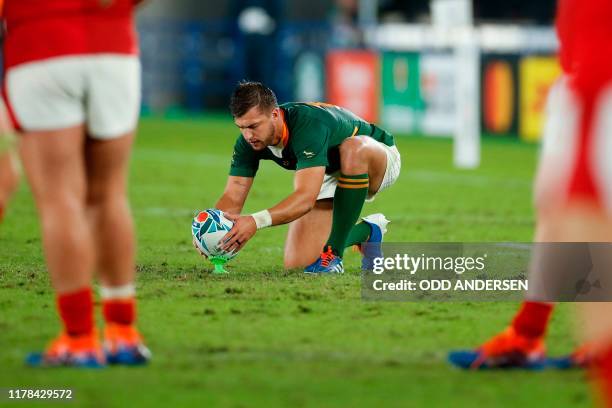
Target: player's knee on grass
{"type": "Point", "coordinates": [296, 260]}
{"type": "Point", "coordinates": [300, 258]}
{"type": "Point", "coordinates": [291, 263]}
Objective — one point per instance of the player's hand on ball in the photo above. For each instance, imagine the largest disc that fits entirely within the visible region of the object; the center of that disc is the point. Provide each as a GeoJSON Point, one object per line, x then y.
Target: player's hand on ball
{"type": "Point", "coordinates": [244, 228]}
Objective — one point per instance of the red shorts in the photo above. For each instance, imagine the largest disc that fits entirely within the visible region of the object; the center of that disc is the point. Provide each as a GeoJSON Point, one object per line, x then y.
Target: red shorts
{"type": "Point", "coordinates": [576, 158]}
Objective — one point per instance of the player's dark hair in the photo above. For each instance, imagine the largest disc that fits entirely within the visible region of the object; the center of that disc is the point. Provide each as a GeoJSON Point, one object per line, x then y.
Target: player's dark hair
{"type": "Point", "coordinates": [248, 94]}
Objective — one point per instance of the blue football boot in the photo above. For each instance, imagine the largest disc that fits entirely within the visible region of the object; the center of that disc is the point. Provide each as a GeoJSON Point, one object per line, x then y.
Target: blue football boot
{"type": "Point", "coordinates": [70, 351]}
{"type": "Point", "coordinates": [373, 248]}
{"type": "Point", "coordinates": [328, 262]}
{"type": "Point", "coordinates": [507, 350]}
{"type": "Point", "coordinates": [124, 345]}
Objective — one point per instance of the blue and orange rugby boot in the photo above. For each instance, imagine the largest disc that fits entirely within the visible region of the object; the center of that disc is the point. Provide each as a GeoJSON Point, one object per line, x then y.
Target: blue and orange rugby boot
{"type": "Point", "coordinates": [70, 351]}
{"type": "Point", "coordinates": [124, 345]}
{"type": "Point", "coordinates": [328, 262]}
{"type": "Point", "coordinates": [507, 350]}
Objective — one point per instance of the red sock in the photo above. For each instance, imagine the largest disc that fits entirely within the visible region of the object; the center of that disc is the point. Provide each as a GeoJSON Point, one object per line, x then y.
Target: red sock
{"type": "Point", "coordinates": [603, 376]}
{"type": "Point", "coordinates": [532, 319]}
{"type": "Point", "coordinates": [1, 213]}
{"type": "Point", "coordinates": [122, 311]}
{"type": "Point", "coordinates": [76, 311]}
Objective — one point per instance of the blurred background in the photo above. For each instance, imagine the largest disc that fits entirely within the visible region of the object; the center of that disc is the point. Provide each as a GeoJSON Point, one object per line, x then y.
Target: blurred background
{"type": "Point", "coordinates": [391, 61]}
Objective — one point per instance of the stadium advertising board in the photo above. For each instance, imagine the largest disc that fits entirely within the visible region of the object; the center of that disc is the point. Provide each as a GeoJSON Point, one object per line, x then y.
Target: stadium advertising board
{"type": "Point", "coordinates": [499, 94]}
{"type": "Point", "coordinates": [353, 81]}
{"type": "Point", "coordinates": [402, 101]}
{"type": "Point", "coordinates": [418, 93]}
{"type": "Point", "coordinates": [537, 75]}
{"type": "Point", "coordinates": [416, 90]}
{"type": "Point", "coordinates": [438, 82]}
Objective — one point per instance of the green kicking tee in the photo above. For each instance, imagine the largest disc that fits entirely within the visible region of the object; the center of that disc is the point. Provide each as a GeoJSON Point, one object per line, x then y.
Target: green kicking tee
{"type": "Point", "coordinates": [312, 137]}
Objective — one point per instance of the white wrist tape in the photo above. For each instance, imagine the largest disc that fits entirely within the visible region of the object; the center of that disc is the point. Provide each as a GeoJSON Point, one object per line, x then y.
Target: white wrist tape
{"type": "Point", "coordinates": [263, 219]}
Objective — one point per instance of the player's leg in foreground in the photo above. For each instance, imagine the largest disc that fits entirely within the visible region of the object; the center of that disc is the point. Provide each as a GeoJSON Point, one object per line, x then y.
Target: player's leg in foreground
{"type": "Point", "coordinates": [554, 272]}
{"type": "Point", "coordinates": [110, 217]}
{"type": "Point", "coordinates": [588, 218]}
{"type": "Point", "coordinates": [519, 345]}
{"type": "Point", "coordinates": [567, 212]}
{"type": "Point", "coordinates": [598, 333]}
{"type": "Point", "coordinates": [363, 163]}
{"type": "Point", "coordinates": [9, 175]}
{"type": "Point", "coordinates": [9, 178]}
{"type": "Point", "coordinates": [586, 221]}
{"type": "Point", "coordinates": [522, 343]}
{"type": "Point", "coordinates": [55, 168]}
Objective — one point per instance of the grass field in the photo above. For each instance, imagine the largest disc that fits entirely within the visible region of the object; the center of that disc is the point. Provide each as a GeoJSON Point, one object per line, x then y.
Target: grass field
{"type": "Point", "coordinates": [262, 336]}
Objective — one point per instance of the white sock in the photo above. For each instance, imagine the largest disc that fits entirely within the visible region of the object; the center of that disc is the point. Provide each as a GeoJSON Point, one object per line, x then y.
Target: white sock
{"type": "Point", "coordinates": [118, 292]}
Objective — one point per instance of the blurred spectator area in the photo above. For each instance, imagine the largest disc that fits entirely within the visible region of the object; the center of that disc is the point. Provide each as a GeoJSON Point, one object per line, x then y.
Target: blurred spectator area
{"type": "Point", "coordinates": [540, 12]}
{"type": "Point", "coordinates": [193, 52]}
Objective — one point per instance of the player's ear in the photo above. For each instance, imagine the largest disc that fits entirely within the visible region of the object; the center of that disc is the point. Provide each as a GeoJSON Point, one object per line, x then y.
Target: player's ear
{"type": "Point", "coordinates": [275, 113]}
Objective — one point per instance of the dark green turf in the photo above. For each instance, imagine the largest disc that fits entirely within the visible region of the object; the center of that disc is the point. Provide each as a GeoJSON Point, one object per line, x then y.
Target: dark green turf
{"type": "Point", "coordinates": [262, 336]}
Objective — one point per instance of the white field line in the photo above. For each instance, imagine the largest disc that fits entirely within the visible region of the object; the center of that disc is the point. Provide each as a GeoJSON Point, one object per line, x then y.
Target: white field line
{"type": "Point", "coordinates": [167, 212]}
{"type": "Point", "coordinates": [428, 218]}
{"type": "Point", "coordinates": [196, 158]}
{"type": "Point", "coordinates": [432, 176]}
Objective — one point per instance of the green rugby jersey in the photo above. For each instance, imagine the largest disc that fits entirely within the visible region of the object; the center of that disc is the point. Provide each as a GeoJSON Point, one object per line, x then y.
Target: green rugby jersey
{"type": "Point", "coordinates": [315, 132]}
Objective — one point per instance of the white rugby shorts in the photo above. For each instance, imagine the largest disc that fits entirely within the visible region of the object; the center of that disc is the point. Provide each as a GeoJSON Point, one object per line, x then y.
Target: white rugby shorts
{"type": "Point", "coordinates": [394, 165]}
{"type": "Point", "coordinates": [101, 91]}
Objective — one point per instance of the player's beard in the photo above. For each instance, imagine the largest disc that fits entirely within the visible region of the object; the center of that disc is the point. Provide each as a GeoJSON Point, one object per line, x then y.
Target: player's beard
{"type": "Point", "coordinates": [264, 142]}
{"type": "Point", "coordinates": [267, 141]}
{"type": "Point", "coordinates": [259, 146]}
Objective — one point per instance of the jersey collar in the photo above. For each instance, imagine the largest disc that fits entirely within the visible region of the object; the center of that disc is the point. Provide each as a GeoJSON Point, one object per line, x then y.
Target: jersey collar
{"type": "Point", "coordinates": [285, 134]}
{"type": "Point", "coordinates": [277, 150]}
